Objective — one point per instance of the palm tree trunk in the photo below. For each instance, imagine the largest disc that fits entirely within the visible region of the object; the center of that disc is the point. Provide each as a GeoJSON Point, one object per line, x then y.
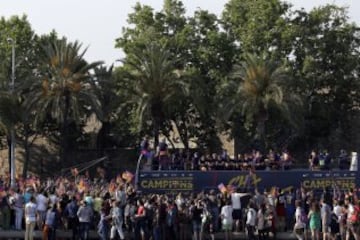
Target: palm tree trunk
{"type": "Point", "coordinates": [63, 146]}
{"type": "Point", "coordinates": [236, 132]}
{"type": "Point", "coordinates": [260, 128]}
{"type": "Point", "coordinates": [27, 150]}
{"type": "Point", "coordinates": [260, 135]}
{"type": "Point", "coordinates": [8, 138]}
{"type": "Point", "coordinates": [102, 139]}
{"type": "Point", "coordinates": [185, 135]}
{"type": "Point", "coordinates": [64, 133]}
{"type": "Point", "coordinates": [157, 120]}
{"type": "Point", "coordinates": [156, 133]}
{"type": "Point", "coordinates": [236, 146]}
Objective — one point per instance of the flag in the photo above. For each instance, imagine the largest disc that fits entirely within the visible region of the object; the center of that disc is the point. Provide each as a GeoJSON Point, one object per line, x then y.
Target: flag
{"type": "Point", "coordinates": [230, 188]}
{"type": "Point", "coordinates": [82, 185]}
{"type": "Point", "coordinates": [112, 186]}
{"type": "Point", "coordinates": [127, 176]}
{"type": "Point", "coordinates": [222, 188]}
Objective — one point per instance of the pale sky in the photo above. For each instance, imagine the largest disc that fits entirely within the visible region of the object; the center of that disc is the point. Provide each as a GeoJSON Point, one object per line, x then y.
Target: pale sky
{"type": "Point", "coordinates": [98, 23]}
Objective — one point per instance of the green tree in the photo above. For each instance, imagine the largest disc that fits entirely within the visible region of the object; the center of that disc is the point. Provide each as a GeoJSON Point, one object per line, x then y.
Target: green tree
{"type": "Point", "coordinates": [104, 87]}
{"type": "Point", "coordinates": [206, 55]}
{"type": "Point", "coordinates": [320, 49]}
{"type": "Point", "coordinates": [20, 31]}
{"type": "Point", "coordinates": [325, 64]}
{"type": "Point", "coordinates": [155, 82]}
{"type": "Point", "coordinates": [260, 85]}
{"type": "Point", "coordinates": [23, 40]}
{"type": "Point", "coordinates": [210, 52]}
{"type": "Point", "coordinates": [258, 26]}
{"type": "Point", "coordinates": [111, 91]}
{"type": "Point", "coordinates": [62, 88]}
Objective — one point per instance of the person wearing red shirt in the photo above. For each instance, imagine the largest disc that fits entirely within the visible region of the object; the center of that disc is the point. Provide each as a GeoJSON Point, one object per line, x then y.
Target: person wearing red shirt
{"type": "Point", "coordinates": [140, 221]}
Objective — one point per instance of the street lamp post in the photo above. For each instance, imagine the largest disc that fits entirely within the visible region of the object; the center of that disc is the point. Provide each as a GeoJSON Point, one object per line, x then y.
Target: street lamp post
{"type": "Point", "coordinates": [12, 131]}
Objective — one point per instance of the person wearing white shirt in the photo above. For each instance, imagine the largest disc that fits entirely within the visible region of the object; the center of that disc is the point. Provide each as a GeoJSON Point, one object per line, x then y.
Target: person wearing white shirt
{"type": "Point", "coordinates": [179, 200]}
{"type": "Point", "coordinates": [351, 227]}
{"type": "Point", "coordinates": [236, 206]}
{"type": "Point", "coordinates": [251, 222]}
{"type": "Point", "coordinates": [339, 211]}
{"type": "Point", "coordinates": [30, 219]}
{"type": "Point", "coordinates": [227, 219]}
{"type": "Point", "coordinates": [299, 227]}
{"type": "Point", "coordinates": [53, 199]}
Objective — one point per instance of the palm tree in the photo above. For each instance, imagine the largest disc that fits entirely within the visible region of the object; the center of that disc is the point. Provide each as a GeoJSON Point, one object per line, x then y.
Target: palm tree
{"type": "Point", "coordinates": [154, 84]}
{"type": "Point", "coordinates": [260, 86]}
{"type": "Point", "coordinates": [62, 88]}
{"type": "Point", "coordinates": [105, 90]}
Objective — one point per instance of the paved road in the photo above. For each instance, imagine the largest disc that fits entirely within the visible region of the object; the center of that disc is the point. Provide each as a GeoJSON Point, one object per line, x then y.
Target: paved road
{"type": "Point", "coordinates": [60, 234]}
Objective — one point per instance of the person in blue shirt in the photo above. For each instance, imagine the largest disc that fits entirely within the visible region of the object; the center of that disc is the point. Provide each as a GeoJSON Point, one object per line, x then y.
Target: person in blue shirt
{"type": "Point", "coordinates": [27, 194]}
{"type": "Point", "coordinates": [103, 226]}
{"type": "Point", "coordinates": [71, 214]}
{"type": "Point", "coordinates": [51, 222]}
{"type": "Point", "coordinates": [290, 208]}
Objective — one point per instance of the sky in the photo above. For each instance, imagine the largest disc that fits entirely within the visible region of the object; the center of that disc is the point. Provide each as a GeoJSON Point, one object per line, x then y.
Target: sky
{"type": "Point", "coordinates": [98, 23]}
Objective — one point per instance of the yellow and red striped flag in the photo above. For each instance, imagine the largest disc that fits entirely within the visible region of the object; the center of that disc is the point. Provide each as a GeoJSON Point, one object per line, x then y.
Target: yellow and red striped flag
{"type": "Point", "coordinates": [128, 176]}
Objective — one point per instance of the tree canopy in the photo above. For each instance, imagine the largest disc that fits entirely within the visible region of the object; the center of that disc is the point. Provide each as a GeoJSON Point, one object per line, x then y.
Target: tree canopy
{"type": "Point", "coordinates": [263, 73]}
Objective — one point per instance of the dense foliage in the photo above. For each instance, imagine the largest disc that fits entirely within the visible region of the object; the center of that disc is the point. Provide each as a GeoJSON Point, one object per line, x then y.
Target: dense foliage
{"type": "Point", "coordinates": [264, 74]}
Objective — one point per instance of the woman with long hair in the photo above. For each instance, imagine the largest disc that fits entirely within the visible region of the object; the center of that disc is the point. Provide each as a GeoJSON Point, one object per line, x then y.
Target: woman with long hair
{"type": "Point", "coordinates": [261, 222]}
{"type": "Point", "coordinates": [300, 222]}
{"type": "Point", "coordinates": [314, 217]}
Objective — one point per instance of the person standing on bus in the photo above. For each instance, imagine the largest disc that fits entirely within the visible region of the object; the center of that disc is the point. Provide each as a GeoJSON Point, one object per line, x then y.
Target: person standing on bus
{"type": "Point", "coordinates": [163, 155]}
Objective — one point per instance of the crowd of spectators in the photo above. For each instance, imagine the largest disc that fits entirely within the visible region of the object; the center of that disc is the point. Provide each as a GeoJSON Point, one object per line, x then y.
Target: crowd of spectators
{"type": "Point", "coordinates": [163, 158]}
{"type": "Point", "coordinates": [323, 160]}
{"type": "Point", "coordinates": [116, 211]}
